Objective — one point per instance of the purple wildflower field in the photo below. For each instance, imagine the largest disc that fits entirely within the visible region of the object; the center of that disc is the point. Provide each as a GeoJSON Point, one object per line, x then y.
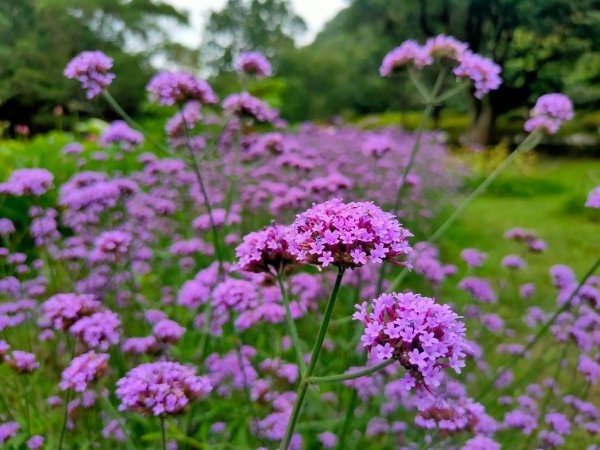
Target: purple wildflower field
{"type": "Point", "coordinates": [240, 283]}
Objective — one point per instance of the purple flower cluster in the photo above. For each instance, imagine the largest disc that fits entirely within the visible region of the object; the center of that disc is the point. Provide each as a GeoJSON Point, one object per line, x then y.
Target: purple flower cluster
{"type": "Point", "coordinates": [348, 235]}
{"type": "Point", "coordinates": [245, 105]}
{"type": "Point", "coordinates": [170, 88]}
{"type": "Point", "coordinates": [22, 362]}
{"type": "Point", "coordinates": [409, 52]}
{"type": "Point", "coordinates": [91, 68]}
{"type": "Point", "coordinates": [27, 182]}
{"type": "Point", "coordinates": [98, 331]}
{"type": "Point", "coordinates": [161, 388]}
{"type": "Point", "coordinates": [264, 250]}
{"type": "Point", "coordinates": [484, 73]}
{"type": "Point", "coordinates": [84, 370]}
{"type": "Point", "coordinates": [63, 310]}
{"type": "Point", "coordinates": [253, 63]}
{"type": "Point", "coordinates": [423, 335]}
{"type": "Point", "coordinates": [549, 113]}
{"type": "Point", "coordinates": [479, 288]}
{"type": "Point", "coordinates": [593, 199]}
{"type": "Point", "coordinates": [118, 132]}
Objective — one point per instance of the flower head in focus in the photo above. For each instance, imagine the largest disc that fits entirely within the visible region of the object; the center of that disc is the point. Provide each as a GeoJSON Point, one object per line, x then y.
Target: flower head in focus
{"type": "Point", "coordinates": [409, 52]}
{"type": "Point", "coordinates": [348, 235]}
{"type": "Point", "coordinates": [484, 72]}
{"type": "Point", "coordinates": [423, 335]}
{"type": "Point", "coordinates": [84, 370]}
{"type": "Point", "coordinates": [265, 249]}
{"type": "Point", "coordinates": [91, 68]}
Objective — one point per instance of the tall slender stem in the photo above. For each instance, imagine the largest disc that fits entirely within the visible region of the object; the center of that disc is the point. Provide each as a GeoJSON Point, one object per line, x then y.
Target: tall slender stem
{"type": "Point", "coordinates": [530, 142]}
{"type": "Point", "coordinates": [65, 417]}
{"type": "Point", "coordinates": [347, 419]}
{"type": "Point", "coordinates": [163, 432]}
{"type": "Point", "coordinates": [303, 387]}
{"type": "Point", "coordinates": [290, 323]}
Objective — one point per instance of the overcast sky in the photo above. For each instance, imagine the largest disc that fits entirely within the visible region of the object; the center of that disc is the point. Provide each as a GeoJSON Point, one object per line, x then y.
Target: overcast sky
{"type": "Point", "coordinates": [314, 12]}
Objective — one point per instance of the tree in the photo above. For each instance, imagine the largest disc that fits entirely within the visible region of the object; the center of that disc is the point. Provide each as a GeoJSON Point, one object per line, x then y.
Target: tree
{"type": "Point", "coordinates": [268, 26]}
{"type": "Point", "coordinates": [39, 37]}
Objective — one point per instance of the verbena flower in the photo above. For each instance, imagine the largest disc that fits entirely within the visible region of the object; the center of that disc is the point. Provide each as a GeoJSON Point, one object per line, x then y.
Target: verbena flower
{"type": "Point", "coordinates": [141, 345]}
{"type": "Point", "coordinates": [6, 226]}
{"type": "Point", "coordinates": [35, 442]}
{"type": "Point", "coordinates": [479, 288]}
{"type": "Point", "coordinates": [170, 88]}
{"type": "Point", "coordinates": [513, 262]}
{"type": "Point", "coordinates": [22, 362]}
{"type": "Point", "coordinates": [118, 132]}
{"type": "Point", "coordinates": [63, 310]}
{"type": "Point", "coordinates": [8, 430]}
{"type": "Point", "coordinates": [549, 113]}
{"type": "Point", "coordinates": [253, 63]}
{"type": "Point", "coordinates": [442, 46]}
{"type": "Point", "coordinates": [111, 246]}
{"type": "Point", "coordinates": [84, 370]}
{"type": "Point", "coordinates": [409, 52]}
{"type": "Point", "coordinates": [593, 199]}
{"type": "Point", "coordinates": [481, 442]}
{"type": "Point", "coordinates": [484, 73]}
{"type": "Point", "coordinates": [91, 68]}
{"type": "Point", "coordinates": [100, 330]}
{"type": "Point", "coordinates": [245, 105]}
{"type": "Point", "coordinates": [348, 235]}
{"type": "Point", "coordinates": [27, 182]}
{"type": "Point", "coordinates": [161, 388]}
{"type": "Point", "coordinates": [168, 331]}
{"type": "Point", "coordinates": [473, 257]}
{"type": "Point", "coordinates": [264, 250]}
{"type": "Point", "coordinates": [423, 335]}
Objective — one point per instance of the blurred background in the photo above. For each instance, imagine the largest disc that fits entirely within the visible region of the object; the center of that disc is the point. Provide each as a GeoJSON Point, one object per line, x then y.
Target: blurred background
{"type": "Point", "coordinates": [325, 54]}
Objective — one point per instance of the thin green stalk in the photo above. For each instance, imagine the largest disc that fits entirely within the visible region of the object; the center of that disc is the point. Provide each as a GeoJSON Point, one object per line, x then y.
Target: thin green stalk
{"type": "Point", "coordinates": [290, 323]}
{"type": "Point", "coordinates": [5, 403]}
{"type": "Point", "coordinates": [233, 179]}
{"type": "Point", "coordinates": [545, 328]}
{"type": "Point", "coordinates": [351, 375]}
{"type": "Point", "coordinates": [303, 387]}
{"type": "Point", "coordinates": [163, 432]}
{"type": "Point", "coordinates": [348, 417]}
{"type": "Point", "coordinates": [115, 414]}
{"type": "Point", "coordinates": [27, 398]}
{"type": "Point", "coordinates": [65, 417]}
{"type": "Point", "coordinates": [530, 142]}
{"type": "Point", "coordinates": [132, 123]}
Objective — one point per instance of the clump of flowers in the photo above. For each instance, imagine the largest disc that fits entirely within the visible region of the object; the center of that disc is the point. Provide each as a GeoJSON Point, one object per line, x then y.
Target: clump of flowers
{"type": "Point", "coordinates": [161, 388]}
{"type": "Point", "coordinates": [409, 52]}
{"type": "Point", "coordinates": [245, 105]}
{"type": "Point", "coordinates": [63, 310]}
{"type": "Point", "coordinates": [442, 46]}
{"type": "Point", "coordinates": [593, 199]}
{"type": "Point", "coordinates": [423, 335]}
{"type": "Point", "coordinates": [484, 72]}
{"type": "Point", "coordinates": [27, 182]}
{"type": "Point", "coordinates": [118, 132]}
{"type": "Point", "coordinates": [91, 68]}
{"type": "Point", "coordinates": [253, 63]}
{"type": "Point", "coordinates": [111, 246]}
{"type": "Point", "coordinates": [100, 330]}
{"type": "Point", "coordinates": [8, 431]}
{"type": "Point", "coordinates": [84, 370]}
{"type": "Point", "coordinates": [170, 88]}
{"type": "Point", "coordinates": [264, 250]}
{"type": "Point", "coordinates": [22, 362]}
{"type": "Point", "coordinates": [348, 235]}
{"type": "Point", "coordinates": [549, 113]}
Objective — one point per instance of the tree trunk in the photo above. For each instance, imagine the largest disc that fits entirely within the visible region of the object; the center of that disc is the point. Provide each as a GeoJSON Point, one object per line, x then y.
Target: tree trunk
{"type": "Point", "coordinates": [481, 129]}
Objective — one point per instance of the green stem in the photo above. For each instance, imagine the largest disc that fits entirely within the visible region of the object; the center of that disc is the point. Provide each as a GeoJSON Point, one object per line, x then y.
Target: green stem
{"type": "Point", "coordinates": [290, 323]}
{"type": "Point", "coordinates": [303, 387]}
{"type": "Point", "coordinates": [545, 328]}
{"type": "Point", "coordinates": [115, 414]}
{"type": "Point", "coordinates": [163, 432]}
{"type": "Point", "coordinates": [132, 123]}
{"type": "Point", "coordinates": [352, 375]}
{"type": "Point", "coordinates": [65, 417]}
{"type": "Point", "coordinates": [5, 403]}
{"type": "Point", "coordinates": [530, 142]}
{"type": "Point", "coordinates": [349, 416]}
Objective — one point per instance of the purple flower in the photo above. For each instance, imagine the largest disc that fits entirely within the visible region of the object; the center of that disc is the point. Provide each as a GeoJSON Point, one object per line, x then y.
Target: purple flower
{"type": "Point", "coordinates": [425, 336]}
{"type": "Point", "coordinates": [22, 362]}
{"type": "Point", "coordinates": [245, 105]}
{"type": "Point", "coordinates": [409, 52]}
{"type": "Point", "coordinates": [481, 442]}
{"type": "Point", "coordinates": [169, 88]}
{"type": "Point", "coordinates": [35, 442]}
{"type": "Point", "coordinates": [73, 148]}
{"type": "Point", "coordinates": [168, 331]}
{"type": "Point", "coordinates": [549, 113]}
{"type": "Point", "coordinates": [27, 182]}
{"type": "Point", "coordinates": [98, 331]}
{"type": "Point", "coordinates": [348, 235]}
{"type": "Point", "coordinates": [111, 246]}
{"type": "Point", "coordinates": [527, 290]}
{"type": "Point", "coordinates": [92, 70]}
{"type": "Point", "coordinates": [589, 367]}
{"type": "Point", "coordinates": [63, 310]}
{"type": "Point", "coordinates": [513, 262]}
{"type": "Point", "coordinates": [161, 388]}
{"type": "Point", "coordinates": [443, 46]}
{"type": "Point", "coordinates": [6, 226]}
{"type": "Point", "coordinates": [253, 63]}
{"type": "Point", "coordinates": [328, 439]}
{"type": "Point", "coordinates": [593, 199]}
{"type": "Point", "coordinates": [8, 430]}
{"type": "Point", "coordinates": [484, 73]}
{"type": "Point", "coordinates": [84, 370]}
{"type": "Point", "coordinates": [118, 132]}
{"type": "Point", "coordinates": [479, 288]}
{"type": "Point", "coordinates": [264, 250]}
{"type": "Point", "coordinates": [473, 257]}
{"type": "Point", "coordinates": [141, 345]}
